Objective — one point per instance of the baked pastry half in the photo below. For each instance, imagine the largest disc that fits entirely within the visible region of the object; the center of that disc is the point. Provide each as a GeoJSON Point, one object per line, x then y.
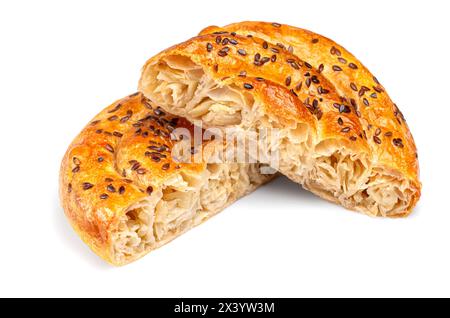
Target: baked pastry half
{"type": "Point", "coordinates": [340, 135]}
{"type": "Point", "coordinates": [126, 194]}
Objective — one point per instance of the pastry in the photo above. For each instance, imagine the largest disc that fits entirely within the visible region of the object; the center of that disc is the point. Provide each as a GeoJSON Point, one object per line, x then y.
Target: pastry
{"type": "Point", "coordinates": [126, 193]}
{"type": "Point", "coordinates": [340, 136]}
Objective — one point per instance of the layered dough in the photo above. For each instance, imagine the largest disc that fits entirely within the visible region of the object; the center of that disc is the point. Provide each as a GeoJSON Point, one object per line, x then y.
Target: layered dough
{"type": "Point", "coordinates": [326, 142]}
{"type": "Point", "coordinates": [124, 192]}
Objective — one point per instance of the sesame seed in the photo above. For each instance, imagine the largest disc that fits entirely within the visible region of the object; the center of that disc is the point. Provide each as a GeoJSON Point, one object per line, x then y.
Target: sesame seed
{"type": "Point", "coordinates": [288, 81]}
{"type": "Point", "coordinates": [117, 134]}
{"type": "Point", "coordinates": [340, 121]}
{"type": "Point", "coordinates": [76, 169]}
{"type": "Point", "coordinates": [69, 188]}
{"type": "Point", "coordinates": [87, 185]}
{"type": "Point", "coordinates": [141, 171]}
{"type": "Point", "coordinates": [373, 95]}
{"type": "Point", "coordinates": [218, 39]}
{"type": "Point", "coordinates": [377, 132]}
{"type": "Point", "coordinates": [111, 188]}
{"type": "Point", "coordinates": [265, 45]}
{"type": "Point", "coordinates": [321, 68]}
{"type": "Point", "coordinates": [337, 68]}
{"type": "Point", "coordinates": [342, 60]}
{"type": "Point", "coordinates": [121, 190]}
{"type": "Point", "coordinates": [352, 66]}
{"type": "Point", "coordinates": [275, 50]}
{"type": "Point", "coordinates": [104, 196]}
{"type": "Point", "coordinates": [308, 65]}
{"type": "Point", "coordinates": [209, 47]}
{"type": "Point", "coordinates": [354, 87]}
{"type": "Point", "coordinates": [116, 108]}
{"type": "Point", "coordinates": [233, 41]}
{"type": "Point", "coordinates": [277, 25]}
{"type": "Point", "coordinates": [76, 161]}
{"type": "Point", "coordinates": [377, 140]}
{"type": "Point", "coordinates": [273, 58]}
{"type": "Point", "coordinates": [314, 41]}
{"type": "Point", "coordinates": [242, 52]}
{"type": "Point", "coordinates": [345, 129]}
{"type": "Point", "coordinates": [165, 166]}
{"type": "Point", "coordinates": [100, 159]}
{"type": "Point", "coordinates": [248, 86]}
{"type": "Point", "coordinates": [397, 142]}
{"type": "Point", "coordinates": [365, 101]}
{"type": "Point", "coordinates": [149, 190]}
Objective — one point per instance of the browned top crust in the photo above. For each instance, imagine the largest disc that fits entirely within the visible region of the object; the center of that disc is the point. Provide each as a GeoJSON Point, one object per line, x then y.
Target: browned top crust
{"type": "Point", "coordinates": [388, 136]}
{"type": "Point", "coordinates": [116, 161]}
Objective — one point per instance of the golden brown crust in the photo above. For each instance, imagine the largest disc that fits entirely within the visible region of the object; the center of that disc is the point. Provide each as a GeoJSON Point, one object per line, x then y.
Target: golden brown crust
{"type": "Point", "coordinates": [111, 164]}
{"type": "Point", "coordinates": [389, 138]}
{"type": "Point", "coordinates": [336, 109]}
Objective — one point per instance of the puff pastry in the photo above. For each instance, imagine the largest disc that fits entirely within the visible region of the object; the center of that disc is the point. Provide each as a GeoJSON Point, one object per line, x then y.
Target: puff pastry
{"type": "Point", "coordinates": [341, 136]}
{"type": "Point", "coordinates": [125, 194]}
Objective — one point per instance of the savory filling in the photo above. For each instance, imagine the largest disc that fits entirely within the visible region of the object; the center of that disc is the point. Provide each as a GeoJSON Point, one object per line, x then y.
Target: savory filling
{"type": "Point", "coordinates": [183, 88]}
{"type": "Point", "coordinates": [185, 201]}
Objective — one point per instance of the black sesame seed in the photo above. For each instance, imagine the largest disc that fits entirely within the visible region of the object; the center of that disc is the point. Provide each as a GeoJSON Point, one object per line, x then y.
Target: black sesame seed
{"type": "Point", "coordinates": [365, 101]}
{"type": "Point", "coordinates": [121, 190]}
{"type": "Point", "coordinates": [125, 119]}
{"type": "Point", "coordinates": [111, 188]}
{"type": "Point", "coordinates": [104, 196]}
{"type": "Point", "coordinates": [354, 87]}
{"type": "Point", "coordinates": [165, 166]}
{"type": "Point", "coordinates": [248, 86]}
{"type": "Point", "coordinates": [373, 95]}
{"type": "Point", "coordinates": [377, 132]}
{"type": "Point", "coordinates": [377, 140]}
{"type": "Point", "coordinates": [277, 25]}
{"type": "Point", "coordinates": [265, 59]}
{"type": "Point", "coordinates": [342, 60]}
{"type": "Point", "coordinates": [308, 65]}
{"type": "Point", "coordinates": [218, 39]}
{"type": "Point", "coordinates": [265, 45]}
{"type": "Point", "coordinates": [321, 68]}
{"type": "Point", "coordinates": [116, 108]}
{"type": "Point", "coordinates": [225, 41]}
{"type": "Point", "coordinates": [257, 57]}
{"type": "Point", "coordinates": [397, 142]}
{"type": "Point", "coordinates": [117, 134]}
{"type": "Point", "coordinates": [288, 81]}
{"type": "Point", "coordinates": [259, 79]}
{"type": "Point", "coordinates": [345, 129]}
{"type": "Point", "coordinates": [308, 82]}
{"type": "Point", "coordinates": [112, 118]}
{"type": "Point", "coordinates": [69, 188]}
{"type": "Point", "coordinates": [337, 68]}
{"type": "Point", "coordinates": [209, 47]}
{"type": "Point", "coordinates": [376, 80]}
{"type": "Point", "coordinates": [388, 134]}
{"type": "Point", "coordinates": [99, 131]}
{"type": "Point", "coordinates": [353, 138]}
{"type": "Point", "coordinates": [294, 65]}
{"type": "Point", "coordinates": [95, 122]}
{"type": "Point", "coordinates": [243, 74]}
{"type": "Point", "coordinates": [340, 121]}
{"type": "Point", "coordinates": [275, 50]}
{"type": "Point", "coordinates": [352, 66]}
{"type": "Point", "coordinates": [149, 190]}
{"type": "Point", "coordinates": [233, 41]}
{"type": "Point", "coordinates": [314, 41]}
{"type": "Point", "coordinates": [100, 159]}
{"type": "Point", "coordinates": [76, 161]}
{"type": "Point", "coordinates": [76, 169]}
{"type": "Point", "coordinates": [87, 185]}
{"type": "Point", "coordinates": [242, 52]}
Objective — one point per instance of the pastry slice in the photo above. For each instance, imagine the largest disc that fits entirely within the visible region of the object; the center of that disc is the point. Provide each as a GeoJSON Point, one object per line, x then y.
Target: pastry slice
{"type": "Point", "coordinates": [125, 191]}
{"type": "Point", "coordinates": [339, 137]}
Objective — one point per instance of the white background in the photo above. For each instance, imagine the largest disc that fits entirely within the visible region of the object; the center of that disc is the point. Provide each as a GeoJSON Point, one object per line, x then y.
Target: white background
{"type": "Point", "coordinates": [61, 62]}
